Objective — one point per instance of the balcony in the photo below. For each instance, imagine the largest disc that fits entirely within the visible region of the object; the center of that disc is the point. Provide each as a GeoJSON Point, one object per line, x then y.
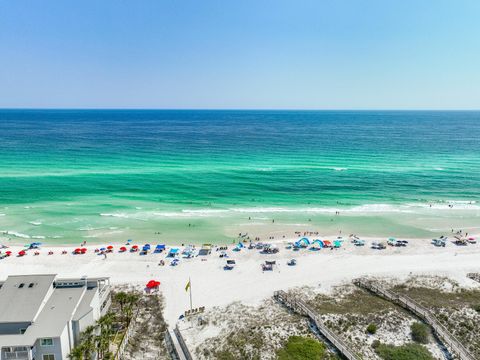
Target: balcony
{"type": "Point", "coordinates": [20, 355]}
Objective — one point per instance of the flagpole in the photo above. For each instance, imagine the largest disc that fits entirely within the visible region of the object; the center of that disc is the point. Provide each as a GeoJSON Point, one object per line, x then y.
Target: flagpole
{"type": "Point", "coordinates": [190, 288]}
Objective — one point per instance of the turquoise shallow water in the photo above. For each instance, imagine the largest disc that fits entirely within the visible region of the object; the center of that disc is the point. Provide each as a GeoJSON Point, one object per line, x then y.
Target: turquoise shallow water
{"type": "Point", "coordinates": [68, 175]}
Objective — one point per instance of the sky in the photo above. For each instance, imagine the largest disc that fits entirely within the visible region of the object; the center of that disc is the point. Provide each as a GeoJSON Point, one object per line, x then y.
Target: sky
{"type": "Point", "coordinates": [248, 54]}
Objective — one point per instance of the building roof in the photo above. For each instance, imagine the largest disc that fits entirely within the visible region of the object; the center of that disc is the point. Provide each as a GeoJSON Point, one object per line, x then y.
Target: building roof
{"type": "Point", "coordinates": [53, 310]}
{"type": "Point", "coordinates": [21, 303]}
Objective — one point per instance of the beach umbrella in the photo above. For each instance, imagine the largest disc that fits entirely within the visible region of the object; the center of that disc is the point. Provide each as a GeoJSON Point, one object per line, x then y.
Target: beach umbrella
{"type": "Point", "coordinates": [123, 248]}
{"type": "Point", "coordinates": [83, 250]}
{"type": "Point", "coordinates": [102, 249]}
{"type": "Point", "coordinates": [135, 247]}
{"type": "Point", "coordinates": [153, 284]}
{"type": "Point", "coordinates": [22, 253]}
{"type": "Point", "coordinates": [8, 253]}
{"type": "Point", "coordinates": [109, 247]}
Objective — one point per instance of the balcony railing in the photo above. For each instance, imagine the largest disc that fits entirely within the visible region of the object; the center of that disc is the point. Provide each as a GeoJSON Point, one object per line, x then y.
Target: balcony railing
{"type": "Point", "coordinates": [20, 355]}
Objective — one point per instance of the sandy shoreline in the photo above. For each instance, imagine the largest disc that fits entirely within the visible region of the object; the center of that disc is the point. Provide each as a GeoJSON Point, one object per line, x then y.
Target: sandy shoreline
{"type": "Point", "coordinates": [213, 286]}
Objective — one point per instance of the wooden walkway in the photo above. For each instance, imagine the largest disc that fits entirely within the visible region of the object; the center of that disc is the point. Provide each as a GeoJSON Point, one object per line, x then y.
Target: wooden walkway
{"type": "Point", "coordinates": [452, 343]}
{"type": "Point", "coordinates": [302, 308]}
{"type": "Point", "coordinates": [176, 346]}
{"type": "Point", "coordinates": [474, 276]}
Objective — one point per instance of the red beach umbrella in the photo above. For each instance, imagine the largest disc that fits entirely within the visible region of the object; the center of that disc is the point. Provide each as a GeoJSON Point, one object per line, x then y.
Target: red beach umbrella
{"type": "Point", "coordinates": [152, 284]}
{"type": "Point", "coordinates": [83, 250]}
{"type": "Point", "coordinates": [109, 247]}
{"type": "Point", "coordinates": [8, 253]}
{"type": "Point", "coordinates": [78, 251]}
{"type": "Point", "coordinates": [123, 249]}
{"type": "Point", "coordinates": [22, 253]}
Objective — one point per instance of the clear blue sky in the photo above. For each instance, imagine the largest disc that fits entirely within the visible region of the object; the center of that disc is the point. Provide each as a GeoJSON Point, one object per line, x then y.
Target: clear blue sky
{"type": "Point", "coordinates": [319, 54]}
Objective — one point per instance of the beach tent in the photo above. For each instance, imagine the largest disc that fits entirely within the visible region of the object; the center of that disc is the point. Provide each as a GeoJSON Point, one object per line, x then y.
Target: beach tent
{"type": "Point", "coordinates": [392, 241]}
{"type": "Point", "coordinates": [337, 243]}
{"type": "Point", "coordinates": [318, 242]}
{"type": "Point", "coordinates": [77, 251]}
{"type": "Point", "coordinates": [327, 243]}
{"type": "Point", "coordinates": [173, 252]}
{"type": "Point", "coordinates": [159, 248]}
{"type": "Point", "coordinates": [83, 250]}
{"type": "Point", "coordinates": [303, 242]}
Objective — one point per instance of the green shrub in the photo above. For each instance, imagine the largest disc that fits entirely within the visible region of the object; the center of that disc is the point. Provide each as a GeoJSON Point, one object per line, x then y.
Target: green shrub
{"type": "Point", "coordinates": [420, 332]}
{"type": "Point", "coordinates": [301, 348]}
{"type": "Point", "coordinates": [372, 329]}
{"type": "Point", "coordinates": [410, 351]}
{"type": "Point", "coordinates": [476, 308]}
{"type": "Point", "coordinates": [376, 344]}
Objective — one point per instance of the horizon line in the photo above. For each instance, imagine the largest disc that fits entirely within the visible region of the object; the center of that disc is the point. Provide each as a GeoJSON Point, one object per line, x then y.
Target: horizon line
{"type": "Point", "coordinates": [228, 109]}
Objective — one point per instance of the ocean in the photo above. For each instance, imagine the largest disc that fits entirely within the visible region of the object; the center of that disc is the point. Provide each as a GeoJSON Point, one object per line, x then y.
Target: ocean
{"type": "Point", "coordinates": [205, 176]}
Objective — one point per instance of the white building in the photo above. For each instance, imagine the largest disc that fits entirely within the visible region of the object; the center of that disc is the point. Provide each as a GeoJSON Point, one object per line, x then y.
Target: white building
{"type": "Point", "coordinates": [41, 317]}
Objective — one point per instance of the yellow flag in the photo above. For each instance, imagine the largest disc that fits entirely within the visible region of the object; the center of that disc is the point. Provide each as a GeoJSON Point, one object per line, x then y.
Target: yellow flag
{"type": "Point", "coordinates": [188, 285]}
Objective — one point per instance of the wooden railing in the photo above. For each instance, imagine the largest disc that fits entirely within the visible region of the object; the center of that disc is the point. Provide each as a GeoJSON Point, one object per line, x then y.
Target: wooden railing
{"type": "Point", "coordinates": [181, 341]}
{"type": "Point", "coordinates": [128, 332]}
{"type": "Point", "coordinates": [474, 276]}
{"type": "Point", "coordinates": [172, 346]}
{"type": "Point", "coordinates": [448, 339]}
{"type": "Point", "coordinates": [302, 308]}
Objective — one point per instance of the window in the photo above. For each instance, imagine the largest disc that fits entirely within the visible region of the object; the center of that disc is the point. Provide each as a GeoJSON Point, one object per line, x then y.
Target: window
{"type": "Point", "coordinates": [21, 285]}
{"type": "Point", "coordinates": [46, 342]}
{"type": "Point", "coordinates": [19, 348]}
{"type": "Point", "coordinates": [22, 331]}
{"type": "Point", "coordinates": [31, 285]}
{"type": "Point", "coordinates": [48, 357]}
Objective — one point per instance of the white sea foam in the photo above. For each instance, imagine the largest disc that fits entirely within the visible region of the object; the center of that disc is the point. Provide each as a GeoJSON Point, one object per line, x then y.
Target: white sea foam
{"type": "Point", "coordinates": [191, 213]}
{"type": "Point", "coordinates": [357, 210]}
{"type": "Point", "coordinates": [36, 223]}
{"type": "Point", "coordinates": [122, 215]}
{"type": "Point", "coordinates": [340, 168]}
{"type": "Point", "coordinates": [38, 237]}
{"type": "Point", "coordinates": [2, 214]}
{"type": "Point", "coordinates": [16, 234]}
{"type": "Point", "coordinates": [89, 228]}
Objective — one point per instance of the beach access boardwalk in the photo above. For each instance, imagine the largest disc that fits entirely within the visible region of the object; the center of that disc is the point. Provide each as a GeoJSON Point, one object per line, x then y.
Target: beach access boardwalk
{"type": "Point", "coordinates": [176, 346]}
{"type": "Point", "coordinates": [302, 308]}
{"type": "Point", "coordinates": [474, 276]}
{"type": "Point", "coordinates": [446, 337]}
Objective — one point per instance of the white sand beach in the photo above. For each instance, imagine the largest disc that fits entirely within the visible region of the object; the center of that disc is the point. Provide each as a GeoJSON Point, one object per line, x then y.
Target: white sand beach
{"type": "Point", "coordinates": [213, 286]}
